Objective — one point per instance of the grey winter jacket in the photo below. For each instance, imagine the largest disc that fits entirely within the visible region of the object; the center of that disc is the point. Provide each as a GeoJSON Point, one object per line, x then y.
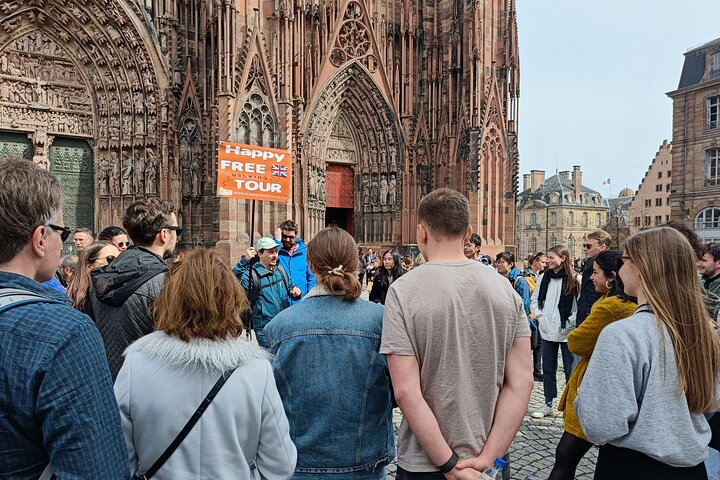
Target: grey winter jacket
{"type": "Point", "coordinates": [243, 434]}
{"type": "Point", "coordinates": [120, 297]}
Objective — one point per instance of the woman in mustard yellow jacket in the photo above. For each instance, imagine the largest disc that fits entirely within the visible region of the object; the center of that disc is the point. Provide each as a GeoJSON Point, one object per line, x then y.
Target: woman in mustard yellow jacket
{"type": "Point", "coordinates": [613, 305]}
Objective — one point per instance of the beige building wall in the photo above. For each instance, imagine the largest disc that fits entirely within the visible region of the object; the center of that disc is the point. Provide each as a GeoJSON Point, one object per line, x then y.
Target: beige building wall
{"type": "Point", "coordinates": [651, 205]}
{"type": "Point", "coordinates": [695, 191]}
{"type": "Point", "coordinates": [549, 216]}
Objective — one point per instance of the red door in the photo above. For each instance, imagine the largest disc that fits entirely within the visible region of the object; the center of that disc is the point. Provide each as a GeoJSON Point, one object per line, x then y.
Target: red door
{"type": "Point", "coordinates": [340, 202]}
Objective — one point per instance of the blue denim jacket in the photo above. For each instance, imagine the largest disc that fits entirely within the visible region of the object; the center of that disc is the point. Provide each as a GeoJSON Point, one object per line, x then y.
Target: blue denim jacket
{"type": "Point", "coordinates": [334, 386]}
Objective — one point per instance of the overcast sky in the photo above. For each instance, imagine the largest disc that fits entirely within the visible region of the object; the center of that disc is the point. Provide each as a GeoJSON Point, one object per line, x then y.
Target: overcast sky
{"type": "Point", "coordinates": [593, 81]}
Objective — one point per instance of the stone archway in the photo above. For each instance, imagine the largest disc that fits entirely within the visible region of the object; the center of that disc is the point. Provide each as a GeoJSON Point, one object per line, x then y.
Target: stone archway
{"type": "Point", "coordinates": [83, 71]}
{"type": "Point", "coordinates": [352, 123]}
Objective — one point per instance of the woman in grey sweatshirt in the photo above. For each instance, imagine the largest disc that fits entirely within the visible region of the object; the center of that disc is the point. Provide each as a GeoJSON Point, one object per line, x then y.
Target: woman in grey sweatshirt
{"type": "Point", "coordinates": [652, 380]}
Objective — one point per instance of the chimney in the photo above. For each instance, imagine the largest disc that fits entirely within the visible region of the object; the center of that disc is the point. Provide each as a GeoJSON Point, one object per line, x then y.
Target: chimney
{"type": "Point", "coordinates": [577, 181]}
{"type": "Point", "coordinates": [537, 178]}
{"type": "Point", "coordinates": [565, 174]}
{"type": "Point", "coordinates": [526, 181]}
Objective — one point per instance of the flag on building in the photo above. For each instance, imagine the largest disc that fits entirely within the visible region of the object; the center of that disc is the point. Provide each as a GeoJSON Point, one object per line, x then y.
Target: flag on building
{"type": "Point", "coordinates": [279, 171]}
{"type": "Point", "coordinates": [606, 182]}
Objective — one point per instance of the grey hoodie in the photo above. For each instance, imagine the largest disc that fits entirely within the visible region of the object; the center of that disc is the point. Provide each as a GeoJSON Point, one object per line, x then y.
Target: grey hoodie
{"type": "Point", "coordinates": [629, 395]}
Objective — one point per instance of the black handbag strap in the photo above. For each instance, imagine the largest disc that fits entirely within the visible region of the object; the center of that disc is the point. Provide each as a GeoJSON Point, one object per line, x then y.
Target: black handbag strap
{"type": "Point", "coordinates": [188, 426]}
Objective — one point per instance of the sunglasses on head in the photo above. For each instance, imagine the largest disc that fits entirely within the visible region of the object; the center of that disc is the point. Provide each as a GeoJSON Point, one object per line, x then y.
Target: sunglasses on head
{"type": "Point", "coordinates": [64, 231]}
{"type": "Point", "coordinates": [109, 259]}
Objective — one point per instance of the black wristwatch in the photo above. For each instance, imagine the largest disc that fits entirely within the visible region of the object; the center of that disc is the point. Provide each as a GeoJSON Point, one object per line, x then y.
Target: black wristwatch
{"type": "Point", "coordinates": [450, 464]}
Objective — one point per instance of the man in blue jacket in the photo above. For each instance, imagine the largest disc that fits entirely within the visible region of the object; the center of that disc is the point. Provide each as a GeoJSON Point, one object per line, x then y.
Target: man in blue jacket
{"type": "Point", "coordinates": [293, 258]}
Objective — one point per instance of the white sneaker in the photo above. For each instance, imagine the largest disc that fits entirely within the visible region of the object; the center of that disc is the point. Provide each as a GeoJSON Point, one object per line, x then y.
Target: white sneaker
{"type": "Point", "coordinates": [543, 412]}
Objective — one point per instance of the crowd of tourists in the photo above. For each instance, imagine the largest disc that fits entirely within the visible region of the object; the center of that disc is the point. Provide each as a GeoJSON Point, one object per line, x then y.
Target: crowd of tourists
{"type": "Point", "coordinates": [129, 360]}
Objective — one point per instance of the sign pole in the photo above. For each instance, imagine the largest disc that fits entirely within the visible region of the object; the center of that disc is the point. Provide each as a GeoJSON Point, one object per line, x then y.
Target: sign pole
{"type": "Point", "coordinates": [252, 224]}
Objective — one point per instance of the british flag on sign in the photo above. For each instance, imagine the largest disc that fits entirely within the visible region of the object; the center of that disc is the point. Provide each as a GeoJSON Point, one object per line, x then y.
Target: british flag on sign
{"type": "Point", "coordinates": [279, 171]}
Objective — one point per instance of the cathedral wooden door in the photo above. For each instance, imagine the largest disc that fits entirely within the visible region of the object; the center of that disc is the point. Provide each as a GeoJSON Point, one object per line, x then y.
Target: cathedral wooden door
{"type": "Point", "coordinates": [340, 203]}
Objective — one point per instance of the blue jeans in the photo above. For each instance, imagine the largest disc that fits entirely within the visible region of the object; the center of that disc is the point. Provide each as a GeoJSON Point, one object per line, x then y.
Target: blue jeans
{"type": "Point", "coordinates": [550, 364]}
{"type": "Point", "coordinates": [712, 464]}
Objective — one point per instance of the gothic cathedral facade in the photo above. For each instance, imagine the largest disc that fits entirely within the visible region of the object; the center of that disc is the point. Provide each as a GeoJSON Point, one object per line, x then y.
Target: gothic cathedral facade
{"type": "Point", "coordinates": [378, 101]}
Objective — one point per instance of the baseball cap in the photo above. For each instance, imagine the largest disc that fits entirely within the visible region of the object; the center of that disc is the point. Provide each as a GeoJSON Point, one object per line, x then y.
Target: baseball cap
{"type": "Point", "coordinates": [265, 243]}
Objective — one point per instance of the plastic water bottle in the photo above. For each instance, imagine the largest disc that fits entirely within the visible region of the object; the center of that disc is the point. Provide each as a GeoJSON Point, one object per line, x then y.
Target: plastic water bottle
{"type": "Point", "coordinates": [495, 472]}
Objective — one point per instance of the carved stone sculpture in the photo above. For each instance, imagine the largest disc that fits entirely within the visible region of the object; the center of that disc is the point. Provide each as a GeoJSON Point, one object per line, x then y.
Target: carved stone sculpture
{"type": "Point", "coordinates": [151, 172]}
{"type": "Point", "coordinates": [383, 190]}
{"type": "Point", "coordinates": [365, 190]}
{"type": "Point", "coordinates": [392, 190]}
{"type": "Point", "coordinates": [127, 174]}
{"type": "Point", "coordinates": [196, 176]}
{"type": "Point", "coordinates": [103, 177]}
{"type": "Point", "coordinates": [312, 181]}
{"type": "Point", "coordinates": [374, 193]}
{"type": "Point", "coordinates": [114, 174]}
{"type": "Point", "coordinates": [139, 173]}
{"type": "Point", "coordinates": [322, 192]}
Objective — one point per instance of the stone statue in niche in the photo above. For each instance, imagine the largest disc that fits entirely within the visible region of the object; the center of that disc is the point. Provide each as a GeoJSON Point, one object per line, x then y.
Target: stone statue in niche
{"type": "Point", "coordinates": [139, 173]}
{"type": "Point", "coordinates": [196, 172]}
{"type": "Point", "coordinates": [383, 190]}
{"type": "Point", "coordinates": [127, 174]}
{"type": "Point", "coordinates": [151, 172]}
{"type": "Point", "coordinates": [374, 193]}
{"type": "Point", "coordinates": [322, 192]}
{"type": "Point", "coordinates": [365, 190]}
{"type": "Point", "coordinates": [392, 190]}
{"type": "Point", "coordinates": [186, 175]}
{"type": "Point", "coordinates": [393, 159]}
{"type": "Point", "coordinates": [103, 177]}
{"type": "Point", "coordinates": [114, 174]}
{"type": "Point", "coordinates": [40, 158]}
{"type": "Point", "coordinates": [312, 181]}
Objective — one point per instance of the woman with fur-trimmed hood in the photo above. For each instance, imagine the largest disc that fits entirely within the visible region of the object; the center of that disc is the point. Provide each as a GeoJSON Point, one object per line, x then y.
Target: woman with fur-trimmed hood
{"type": "Point", "coordinates": [167, 374]}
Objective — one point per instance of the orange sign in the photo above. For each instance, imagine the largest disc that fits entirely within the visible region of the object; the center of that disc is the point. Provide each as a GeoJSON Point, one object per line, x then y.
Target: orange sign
{"type": "Point", "coordinates": [253, 173]}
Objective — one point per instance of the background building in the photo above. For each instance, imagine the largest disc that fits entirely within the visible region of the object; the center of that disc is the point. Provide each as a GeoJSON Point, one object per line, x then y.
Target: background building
{"type": "Point", "coordinates": [695, 191]}
{"type": "Point", "coordinates": [651, 205]}
{"type": "Point", "coordinates": [379, 102]}
{"type": "Point", "coordinates": [559, 210]}
{"type": "Point", "coordinates": [618, 220]}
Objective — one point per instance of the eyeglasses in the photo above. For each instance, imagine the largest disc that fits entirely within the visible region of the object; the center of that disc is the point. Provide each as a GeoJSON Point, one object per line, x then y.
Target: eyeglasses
{"type": "Point", "coordinates": [621, 260]}
{"type": "Point", "coordinates": [109, 259]}
{"type": "Point", "coordinates": [289, 237]}
{"type": "Point", "coordinates": [175, 228]}
{"type": "Point", "coordinates": [124, 244]}
{"type": "Point", "coordinates": [64, 231]}
{"type": "Point", "coordinates": [588, 246]}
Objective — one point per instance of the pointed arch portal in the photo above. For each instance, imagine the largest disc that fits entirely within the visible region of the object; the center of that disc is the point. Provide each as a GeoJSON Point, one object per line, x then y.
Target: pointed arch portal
{"type": "Point", "coordinates": [353, 124]}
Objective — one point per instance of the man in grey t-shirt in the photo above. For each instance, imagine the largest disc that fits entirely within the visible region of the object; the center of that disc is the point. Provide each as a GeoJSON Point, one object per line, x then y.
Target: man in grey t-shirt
{"type": "Point", "coordinates": [458, 348]}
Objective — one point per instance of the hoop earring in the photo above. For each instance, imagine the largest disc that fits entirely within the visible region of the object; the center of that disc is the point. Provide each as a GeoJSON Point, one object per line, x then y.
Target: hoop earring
{"type": "Point", "coordinates": [608, 286]}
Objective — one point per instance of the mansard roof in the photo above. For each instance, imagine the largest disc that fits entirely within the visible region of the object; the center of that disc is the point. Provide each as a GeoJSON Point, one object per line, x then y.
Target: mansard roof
{"type": "Point", "coordinates": [694, 65]}
{"type": "Point", "coordinates": [558, 187]}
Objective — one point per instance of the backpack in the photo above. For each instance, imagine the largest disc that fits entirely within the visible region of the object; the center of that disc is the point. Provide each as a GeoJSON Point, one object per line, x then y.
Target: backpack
{"type": "Point", "coordinates": [15, 297]}
{"type": "Point", "coordinates": [530, 281]}
{"type": "Point", "coordinates": [253, 293]}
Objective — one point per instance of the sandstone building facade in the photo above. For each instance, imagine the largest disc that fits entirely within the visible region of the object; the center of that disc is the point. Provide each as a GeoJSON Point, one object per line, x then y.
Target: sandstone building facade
{"type": "Point", "coordinates": [695, 191]}
{"type": "Point", "coordinates": [651, 205]}
{"type": "Point", "coordinates": [379, 102]}
{"type": "Point", "coordinates": [557, 211]}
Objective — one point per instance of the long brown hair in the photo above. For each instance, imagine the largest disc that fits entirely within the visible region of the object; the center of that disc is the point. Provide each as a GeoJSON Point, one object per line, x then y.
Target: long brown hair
{"type": "Point", "coordinates": [666, 264]}
{"type": "Point", "coordinates": [332, 255]}
{"type": "Point", "coordinates": [562, 251]}
{"type": "Point", "coordinates": [79, 284]}
{"type": "Point", "coordinates": [201, 299]}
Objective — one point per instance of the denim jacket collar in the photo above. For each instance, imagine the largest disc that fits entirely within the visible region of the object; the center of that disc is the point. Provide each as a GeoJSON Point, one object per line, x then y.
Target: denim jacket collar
{"type": "Point", "coordinates": [320, 291]}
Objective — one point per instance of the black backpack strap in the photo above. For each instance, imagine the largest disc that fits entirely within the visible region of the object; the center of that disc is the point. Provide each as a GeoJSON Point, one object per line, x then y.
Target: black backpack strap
{"type": "Point", "coordinates": [188, 427]}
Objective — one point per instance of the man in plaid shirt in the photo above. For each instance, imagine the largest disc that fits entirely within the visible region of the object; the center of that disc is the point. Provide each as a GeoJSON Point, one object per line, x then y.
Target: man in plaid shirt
{"type": "Point", "coordinates": [57, 405]}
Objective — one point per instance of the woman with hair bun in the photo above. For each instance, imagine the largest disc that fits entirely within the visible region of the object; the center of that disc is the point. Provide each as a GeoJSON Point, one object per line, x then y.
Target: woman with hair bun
{"type": "Point", "coordinates": [332, 379]}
